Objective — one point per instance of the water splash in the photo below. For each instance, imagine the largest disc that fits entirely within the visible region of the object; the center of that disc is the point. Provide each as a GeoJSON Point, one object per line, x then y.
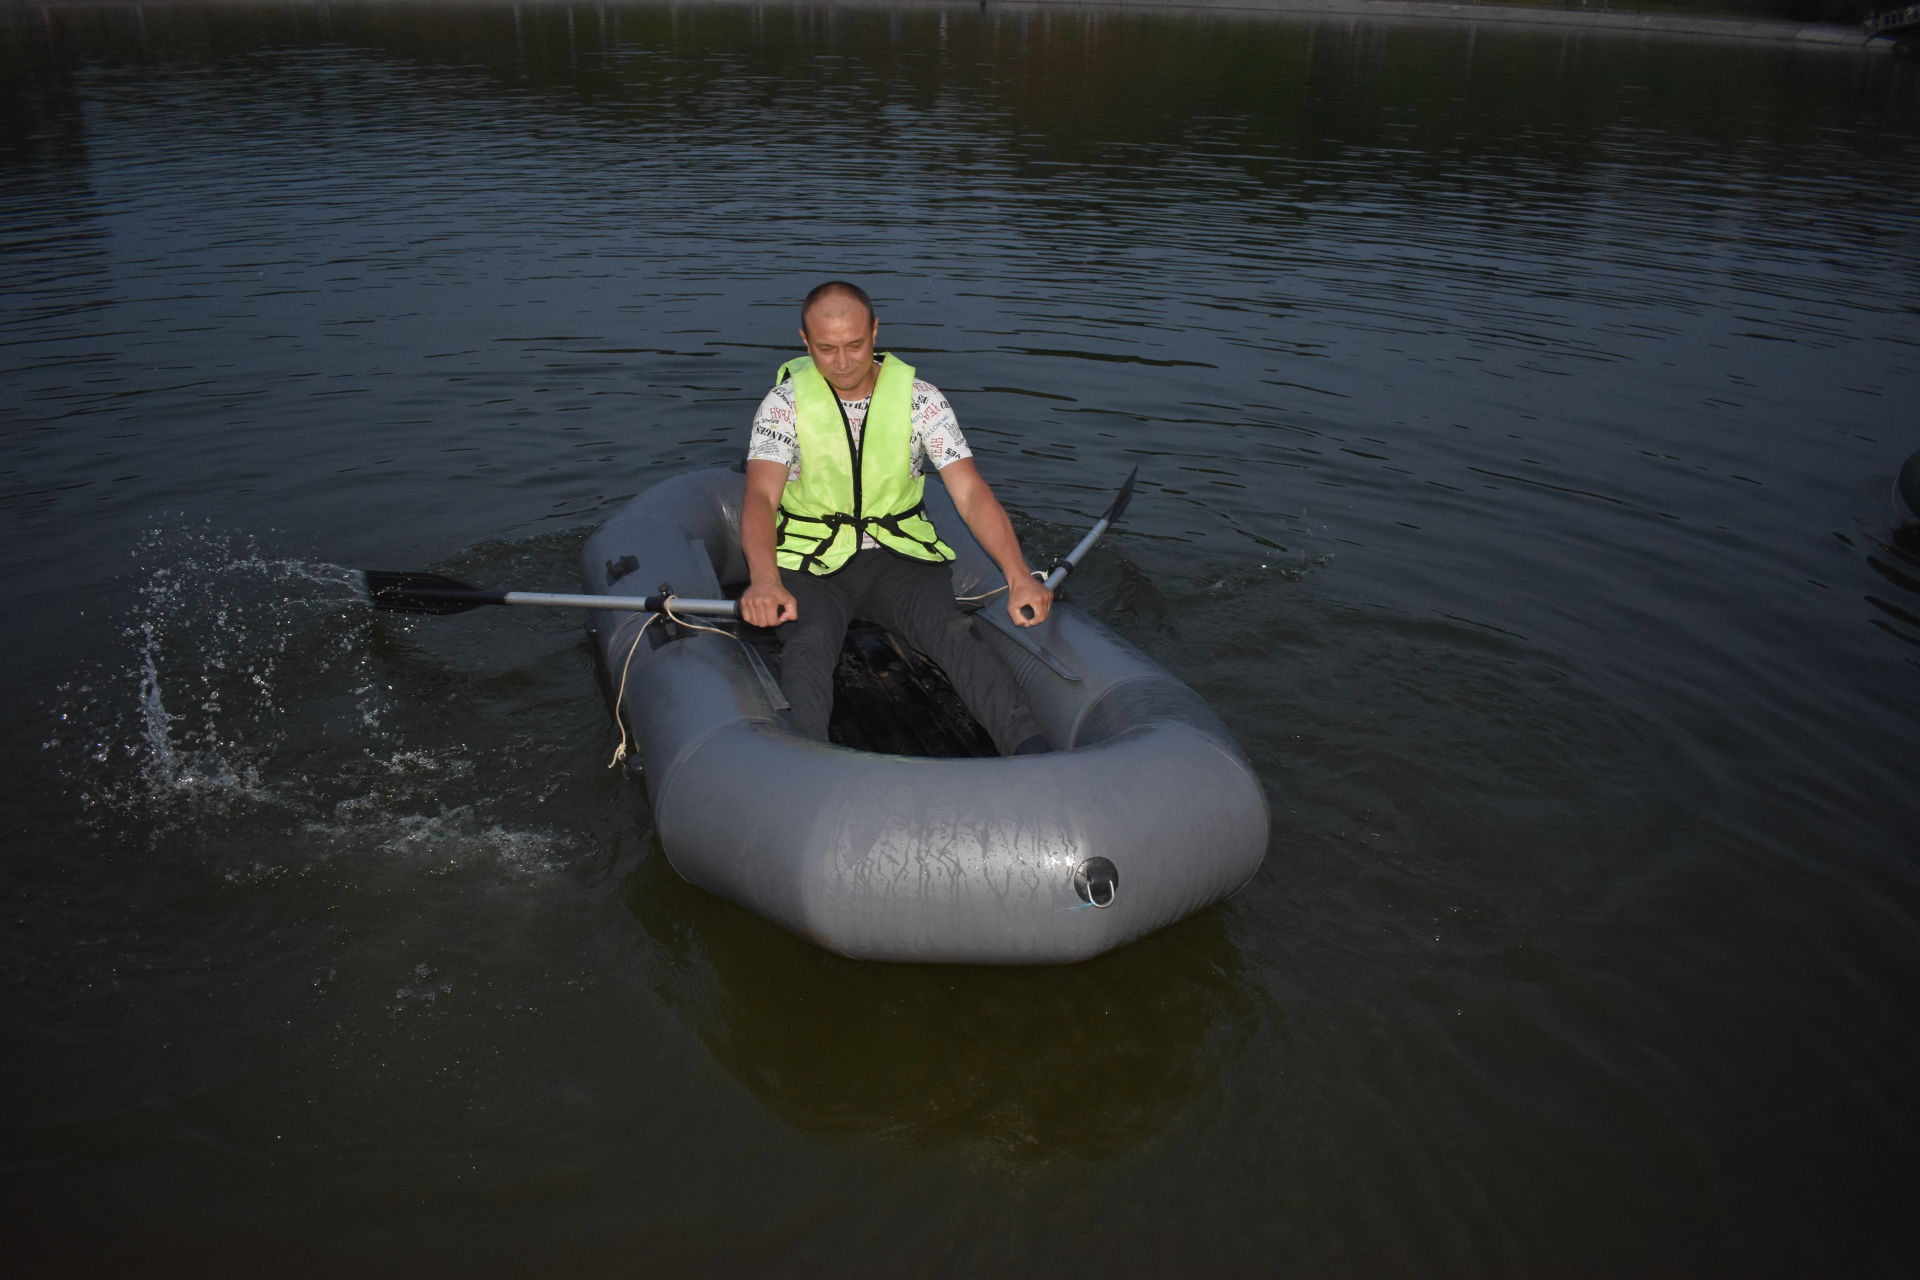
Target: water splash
{"type": "Point", "coordinates": [250, 708]}
{"type": "Point", "coordinates": [212, 622]}
{"type": "Point", "coordinates": [442, 842]}
{"type": "Point", "coordinates": [174, 764]}
{"type": "Point", "coordinates": [422, 989]}
{"type": "Point", "coordinates": [210, 628]}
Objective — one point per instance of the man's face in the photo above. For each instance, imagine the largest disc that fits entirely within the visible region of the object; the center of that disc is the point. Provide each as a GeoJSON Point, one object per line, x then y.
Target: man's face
{"type": "Point", "coordinates": [840, 337]}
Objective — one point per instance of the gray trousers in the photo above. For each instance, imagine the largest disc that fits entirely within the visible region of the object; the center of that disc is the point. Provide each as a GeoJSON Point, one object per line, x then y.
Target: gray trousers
{"type": "Point", "coordinates": [914, 600]}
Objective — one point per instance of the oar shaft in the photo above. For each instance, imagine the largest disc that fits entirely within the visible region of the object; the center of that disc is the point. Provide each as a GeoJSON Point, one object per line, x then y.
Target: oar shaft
{"type": "Point", "coordinates": [1072, 558]}
{"type": "Point", "coordinates": [626, 604]}
{"type": "Point", "coordinates": [1065, 565]}
{"type": "Point", "coordinates": [417, 591]}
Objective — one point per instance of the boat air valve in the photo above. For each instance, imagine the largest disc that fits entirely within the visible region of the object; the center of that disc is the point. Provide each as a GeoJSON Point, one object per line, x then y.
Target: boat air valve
{"type": "Point", "coordinates": [1096, 880]}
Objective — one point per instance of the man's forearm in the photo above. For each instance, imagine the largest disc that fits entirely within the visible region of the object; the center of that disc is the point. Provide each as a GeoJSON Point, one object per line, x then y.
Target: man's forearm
{"type": "Point", "coordinates": [994, 532]}
{"type": "Point", "coordinates": [756, 541]}
{"type": "Point", "coordinates": [987, 520]}
{"type": "Point", "coordinates": [1028, 601]}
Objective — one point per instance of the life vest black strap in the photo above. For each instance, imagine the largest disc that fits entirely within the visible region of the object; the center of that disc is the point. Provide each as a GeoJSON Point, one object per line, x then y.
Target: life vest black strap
{"type": "Point", "coordinates": [835, 521]}
{"type": "Point", "coordinates": [892, 525]}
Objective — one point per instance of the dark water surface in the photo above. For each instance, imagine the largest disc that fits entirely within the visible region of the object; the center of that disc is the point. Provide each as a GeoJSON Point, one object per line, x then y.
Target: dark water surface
{"type": "Point", "coordinates": [1517, 413]}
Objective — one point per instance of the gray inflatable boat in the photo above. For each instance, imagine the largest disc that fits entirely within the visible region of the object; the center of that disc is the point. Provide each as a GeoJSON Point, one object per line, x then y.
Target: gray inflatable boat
{"type": "Point", "coordinates": [905, 838]}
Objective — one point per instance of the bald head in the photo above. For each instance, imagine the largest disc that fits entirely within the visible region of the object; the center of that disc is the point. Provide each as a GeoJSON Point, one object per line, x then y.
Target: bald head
{"type": "Point", "coordinates": [838, 328]}
{"type": "Point", "coordinates": [837, 298]}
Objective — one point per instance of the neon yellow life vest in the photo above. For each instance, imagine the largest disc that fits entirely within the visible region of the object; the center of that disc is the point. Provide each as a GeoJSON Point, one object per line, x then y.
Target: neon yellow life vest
{"type": "Point", "coordinates": [845, 491]}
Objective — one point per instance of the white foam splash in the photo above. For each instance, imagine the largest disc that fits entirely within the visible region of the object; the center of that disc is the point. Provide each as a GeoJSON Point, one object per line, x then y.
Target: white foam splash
{"type": "Point", "coordinates": [172, 767]}
{"type": "Point", "coordinates": [249, 701]}
{"type": "Point", "coordinates": [453, 839]}
{"type": "Point", "coordinates": [422, 990]}
{"type": "Point", "coordinates": [212, 622]}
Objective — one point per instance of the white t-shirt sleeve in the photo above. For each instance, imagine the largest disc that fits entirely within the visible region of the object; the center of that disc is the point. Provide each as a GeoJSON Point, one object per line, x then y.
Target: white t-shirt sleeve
{"type": "Point", "coordinates": [936, 431]}
{"type": "Point", "coordinates": [773, 438]}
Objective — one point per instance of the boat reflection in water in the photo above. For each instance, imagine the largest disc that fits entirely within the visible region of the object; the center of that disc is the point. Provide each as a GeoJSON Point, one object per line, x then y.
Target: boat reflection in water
{"type": "Point", "coordinates": [1025, 1065]}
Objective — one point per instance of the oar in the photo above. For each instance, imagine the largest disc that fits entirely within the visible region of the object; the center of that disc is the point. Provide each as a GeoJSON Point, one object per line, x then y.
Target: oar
{"type": "Point", "coordinates": [412, 592]}
{"type": "Point", "coordinates": [1067, 563]}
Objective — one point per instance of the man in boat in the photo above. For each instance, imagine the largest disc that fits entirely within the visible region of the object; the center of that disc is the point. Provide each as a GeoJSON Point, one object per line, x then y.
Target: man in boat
{"type": "Point", "coordinates": [832, 529]}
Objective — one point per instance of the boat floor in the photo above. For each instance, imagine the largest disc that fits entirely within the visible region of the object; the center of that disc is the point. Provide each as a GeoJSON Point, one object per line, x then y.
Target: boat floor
{"type": "Point", "coordinates": [888, 698]}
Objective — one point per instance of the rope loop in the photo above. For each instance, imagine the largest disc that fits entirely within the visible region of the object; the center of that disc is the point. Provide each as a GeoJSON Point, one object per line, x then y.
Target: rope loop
{"type": "Point", "coordinates": [627, 744]}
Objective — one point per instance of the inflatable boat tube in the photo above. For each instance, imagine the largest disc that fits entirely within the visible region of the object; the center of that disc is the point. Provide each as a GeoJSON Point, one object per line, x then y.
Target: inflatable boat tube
{"type": "Point", "coordinates": [1144, 812]}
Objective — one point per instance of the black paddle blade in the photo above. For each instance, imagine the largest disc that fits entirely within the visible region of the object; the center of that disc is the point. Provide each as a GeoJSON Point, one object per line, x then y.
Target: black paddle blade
{"type": "Point", "coordinates": [406, 591]}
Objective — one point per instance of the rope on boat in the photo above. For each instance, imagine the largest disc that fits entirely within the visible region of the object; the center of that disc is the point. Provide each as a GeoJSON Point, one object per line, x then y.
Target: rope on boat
{"type": "Point", "coordinates": [620, 694]}
{"type": "Point", "coordinates": [622, 751]}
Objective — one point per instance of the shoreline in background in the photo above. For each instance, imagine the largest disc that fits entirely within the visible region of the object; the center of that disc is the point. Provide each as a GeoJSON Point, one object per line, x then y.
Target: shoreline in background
{"type": "Point", "coordinates": [1725, 27]}
{"type": "Point", "coordinates": [1591, 14]}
